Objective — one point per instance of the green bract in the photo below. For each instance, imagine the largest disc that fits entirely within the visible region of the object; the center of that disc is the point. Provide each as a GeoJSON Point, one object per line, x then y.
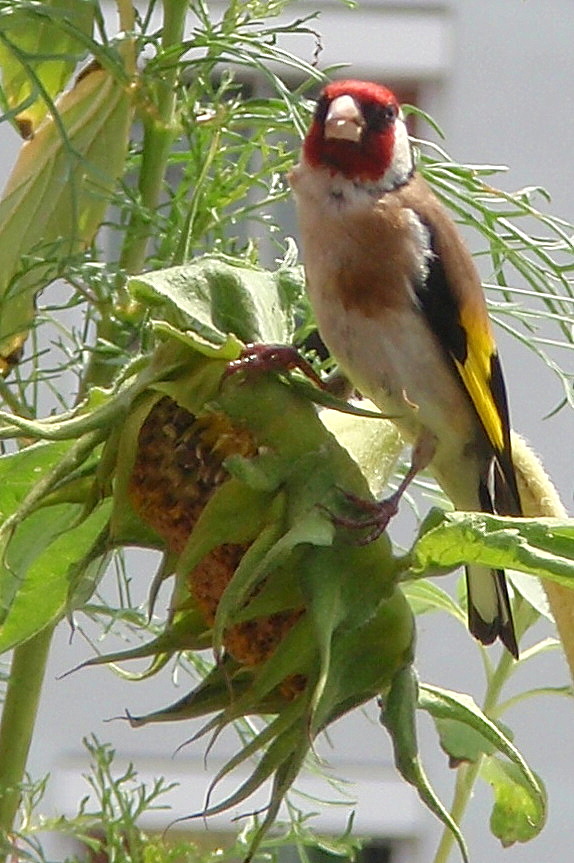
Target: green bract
{"type": "Point", "coordinates": [353, 630]}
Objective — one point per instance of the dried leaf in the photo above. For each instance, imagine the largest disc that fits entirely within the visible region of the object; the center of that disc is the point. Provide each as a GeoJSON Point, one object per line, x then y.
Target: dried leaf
{"type": "Point", "coordinates": [56, 197]}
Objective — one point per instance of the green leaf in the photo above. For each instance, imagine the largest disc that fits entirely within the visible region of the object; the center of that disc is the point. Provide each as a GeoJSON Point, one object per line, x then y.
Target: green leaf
{"type": "Point", "coordinates": [462, 742]}
{"type": "Point", "coordinates": [543, 547]}
{"type": "Point", "coordinates": [20, 473]}
{"type": "Point", "coordinates": [564, 691]}
{"type": "Point", "coordinates": [39, 50]}
{"type": "Point", "coordinates": [57, 194]}
{"type": "Point", "coordinates": [21, 470]}
{"type": "Point", "coordinates": [518, 814]}
{"type": "Point", "coordinates": [544, 646]}
{"type": "Point", "coordinates": [398, 717]}
{"type": "Point", "coordinates": [445, 704]}
{"type": "Point", "coordinates": [43, 570]}
{"type": "Point", "coordinates": [213, 297]}
{"type": "Point", "coordinates": [25, 544]}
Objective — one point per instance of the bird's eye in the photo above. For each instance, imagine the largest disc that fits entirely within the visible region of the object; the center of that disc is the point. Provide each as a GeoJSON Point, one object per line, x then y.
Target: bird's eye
{"type": "Point", "coordinates": [378, 117]}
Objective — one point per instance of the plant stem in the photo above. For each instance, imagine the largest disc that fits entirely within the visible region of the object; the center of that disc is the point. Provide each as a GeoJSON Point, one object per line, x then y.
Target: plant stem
{"type": "Point", "coordinates": [127, 18]}
{"type": "Point", "coordinates": [18, 720]}
{"type": "Point", "coordinates": [159, 133]}
{"type": "Point", "coordinates": [467, 773]}
{"type": "Point", "coordinates": [465, 779]}
{"type": "Point", "coordinates": [11, 399]}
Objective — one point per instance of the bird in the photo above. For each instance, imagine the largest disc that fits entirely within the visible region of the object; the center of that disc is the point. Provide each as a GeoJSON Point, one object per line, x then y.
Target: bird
{"type": "Point", "coordinates": [400, 306]}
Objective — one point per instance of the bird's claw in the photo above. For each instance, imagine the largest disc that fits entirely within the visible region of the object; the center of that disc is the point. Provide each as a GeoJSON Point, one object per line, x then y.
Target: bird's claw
{"type": "Point", "coordinates": [377, 515]}
{"type": "Point", "coordinates": [258, 357]}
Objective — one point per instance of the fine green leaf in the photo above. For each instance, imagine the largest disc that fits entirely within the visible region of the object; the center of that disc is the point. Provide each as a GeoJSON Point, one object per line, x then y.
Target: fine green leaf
{"type": "Point", "coordinates": [425, 595]}
{"type": "Point", "coordinates": [214, 297]}
{"type": "Point", "coordinates": [518, 815]}
{"type": "Point", "coordinates": [39, 50]}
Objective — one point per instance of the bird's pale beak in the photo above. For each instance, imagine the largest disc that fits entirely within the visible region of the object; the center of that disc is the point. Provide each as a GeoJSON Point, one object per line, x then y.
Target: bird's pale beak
{"type": "Point", "coordinates": [344, 120]}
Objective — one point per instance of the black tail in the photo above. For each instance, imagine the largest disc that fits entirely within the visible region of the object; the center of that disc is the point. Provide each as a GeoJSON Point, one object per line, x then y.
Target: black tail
{"type": "Point", "coordinates": [489, 611]}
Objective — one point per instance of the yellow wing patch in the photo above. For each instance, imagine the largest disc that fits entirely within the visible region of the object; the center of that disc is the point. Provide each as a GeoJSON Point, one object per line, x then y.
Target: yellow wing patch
{"type": "Point", "coordinates": [476, 376]}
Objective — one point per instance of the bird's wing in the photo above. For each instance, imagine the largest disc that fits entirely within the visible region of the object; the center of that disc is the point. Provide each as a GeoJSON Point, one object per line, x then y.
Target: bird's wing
{"type": "Point", "coordinates": [452, 300]}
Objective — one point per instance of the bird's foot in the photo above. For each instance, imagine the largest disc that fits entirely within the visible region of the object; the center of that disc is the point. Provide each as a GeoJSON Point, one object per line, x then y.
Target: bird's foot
{"type": "Point", "coordinates": [377, 514]}
{"type": "Point", "coordinates": [374, 517]}
{"type": "Point", "coordinates": [258, 357]}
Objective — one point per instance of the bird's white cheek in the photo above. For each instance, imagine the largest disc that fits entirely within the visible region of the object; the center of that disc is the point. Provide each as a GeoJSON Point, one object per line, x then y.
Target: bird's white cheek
{"type": "Point", "coordinates": [401, 166]}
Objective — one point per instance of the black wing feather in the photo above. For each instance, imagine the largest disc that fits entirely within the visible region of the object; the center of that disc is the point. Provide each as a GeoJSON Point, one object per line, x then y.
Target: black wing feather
{"type": "Point", "coordinates": [440, 306]}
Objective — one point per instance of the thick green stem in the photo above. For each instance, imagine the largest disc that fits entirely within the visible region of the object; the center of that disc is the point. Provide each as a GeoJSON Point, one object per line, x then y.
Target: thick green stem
{"type": "Point", "coordinates": [159, 132]}
{"type": "Point", "coordinates": [160, 129]}
{"type": "Point", "coordinates": [18, 720]}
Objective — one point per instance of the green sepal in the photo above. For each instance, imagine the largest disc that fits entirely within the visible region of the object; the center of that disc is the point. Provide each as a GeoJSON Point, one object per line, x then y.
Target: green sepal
{"type": "Point", "coordinates": [284, 744]}
{"type": "Point", "coordinates": [355, 630]}
{"type": "Point", "coordinates": [365, 658]}
{"type": "Point", "coordinates": [187, 632]}
{"type": "Point", "coordinates": [228, 350]}
{"type": "Point", "coordinates": [125, 525]}
{"type": "Point", "coordinates": [209, 696]}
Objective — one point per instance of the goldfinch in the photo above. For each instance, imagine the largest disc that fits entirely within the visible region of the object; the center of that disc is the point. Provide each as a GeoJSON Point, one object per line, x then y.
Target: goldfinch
{"type": "Point", "coordinates": [399, 304]}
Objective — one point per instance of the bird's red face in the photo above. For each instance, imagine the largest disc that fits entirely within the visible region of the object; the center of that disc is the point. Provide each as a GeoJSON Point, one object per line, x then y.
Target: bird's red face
{"type": "Point", "coordinates": [354, 130]}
